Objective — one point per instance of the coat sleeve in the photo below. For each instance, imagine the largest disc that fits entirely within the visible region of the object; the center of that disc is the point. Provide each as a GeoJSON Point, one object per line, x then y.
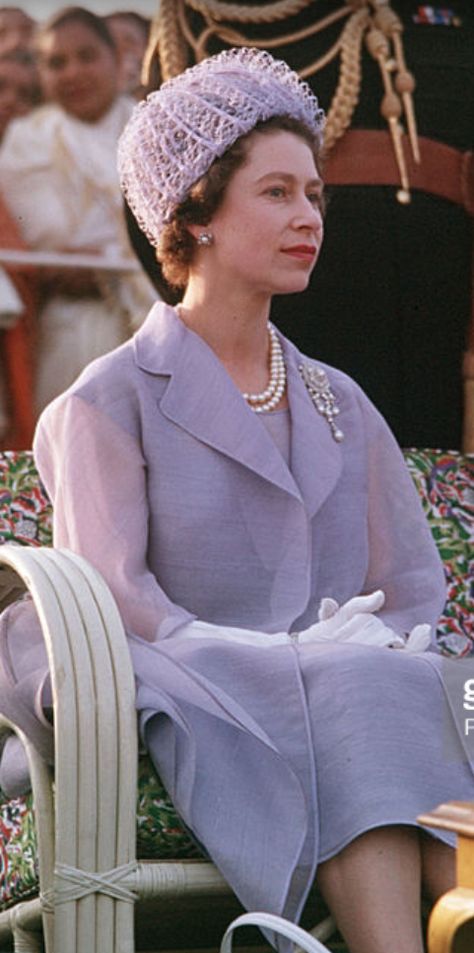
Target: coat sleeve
{"type": "Point", "coordinates": [403, 557]}
{"type": "Point", "coordinates": [95, 475]}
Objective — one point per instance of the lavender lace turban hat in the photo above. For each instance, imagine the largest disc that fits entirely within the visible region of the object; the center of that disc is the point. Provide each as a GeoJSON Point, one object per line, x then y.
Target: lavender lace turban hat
{"type": "Point", "coordinates": [175, 134]}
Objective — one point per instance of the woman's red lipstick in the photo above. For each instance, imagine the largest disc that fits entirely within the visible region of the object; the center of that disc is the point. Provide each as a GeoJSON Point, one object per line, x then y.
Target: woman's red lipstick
{"type": "Point", "coordinates": [301, 251]}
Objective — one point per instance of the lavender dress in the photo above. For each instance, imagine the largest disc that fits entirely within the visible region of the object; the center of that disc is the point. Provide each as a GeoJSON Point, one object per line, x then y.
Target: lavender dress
{"type": "Point", "coordinates": [276, 757]}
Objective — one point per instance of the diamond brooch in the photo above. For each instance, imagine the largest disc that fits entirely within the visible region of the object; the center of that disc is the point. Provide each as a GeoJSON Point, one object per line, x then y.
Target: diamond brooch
{"type": "Point", "coordinates": [317, 384]}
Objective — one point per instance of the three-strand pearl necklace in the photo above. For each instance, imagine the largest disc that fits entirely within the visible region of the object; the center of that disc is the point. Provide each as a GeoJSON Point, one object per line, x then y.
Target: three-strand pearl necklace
{"type": "Point", "coordinates": [269, 398]}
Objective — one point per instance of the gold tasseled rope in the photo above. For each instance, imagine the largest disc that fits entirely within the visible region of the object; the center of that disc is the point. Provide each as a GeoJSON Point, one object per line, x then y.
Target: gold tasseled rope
{"type": "Point", "coordinates": [174, 44]}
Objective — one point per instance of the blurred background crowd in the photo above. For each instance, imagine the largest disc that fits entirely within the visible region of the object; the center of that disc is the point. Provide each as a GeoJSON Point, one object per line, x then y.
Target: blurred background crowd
{"type": "Point", "coordinates": [390, 301]}
{"type": "Point", "coordinates": [67, 88]}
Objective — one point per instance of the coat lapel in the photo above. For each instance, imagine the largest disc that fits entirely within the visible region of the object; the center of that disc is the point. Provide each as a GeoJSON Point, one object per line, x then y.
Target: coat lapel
{"type": "Point", "coordinates": [201, 398]}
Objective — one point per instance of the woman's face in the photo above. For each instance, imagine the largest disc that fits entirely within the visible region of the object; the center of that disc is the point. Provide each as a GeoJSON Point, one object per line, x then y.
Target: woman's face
{"type": "Point", "coordinates": [268, 229]}
{"type": "Point", "coordinates": [78, 71]}
{"type": "Point", "coordinates": [16, 31]}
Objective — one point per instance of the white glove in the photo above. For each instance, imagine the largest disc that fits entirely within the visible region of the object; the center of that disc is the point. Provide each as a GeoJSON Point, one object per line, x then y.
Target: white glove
{"type": "Point", "coordinates": [419, 639]}
{"type": "Point", "coordinates": [352, 622]}
{"type": "Point", "coordinates": [221, 633]}
{"type": "Point", "coordinates": [355, 622]}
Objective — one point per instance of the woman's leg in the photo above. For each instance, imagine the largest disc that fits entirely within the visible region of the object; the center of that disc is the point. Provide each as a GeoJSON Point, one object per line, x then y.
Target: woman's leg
{"type": "Point", "coordinates": [438, 866]}
{"type": "Point", "coordinates": [373, 888]}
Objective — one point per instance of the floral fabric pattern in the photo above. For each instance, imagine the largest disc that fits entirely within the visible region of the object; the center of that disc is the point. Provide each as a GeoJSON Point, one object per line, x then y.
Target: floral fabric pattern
{"type": "Point", "coordinates": [25, 511]}
{"type": "Point", "coordinates": [18, 853]}
{"type": "Point", "coordinates": [445, 482]}
{"type": "Point", "coordinates": [160, 833]}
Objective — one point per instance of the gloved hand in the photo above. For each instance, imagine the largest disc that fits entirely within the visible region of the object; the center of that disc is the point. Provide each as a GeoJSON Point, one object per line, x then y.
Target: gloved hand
{"type": "Point", "coordinates": [355, 622]}
{"type": "Point", "coordinates": [352, 622]}
{"type": "Point", "coordinates": [418, 639]}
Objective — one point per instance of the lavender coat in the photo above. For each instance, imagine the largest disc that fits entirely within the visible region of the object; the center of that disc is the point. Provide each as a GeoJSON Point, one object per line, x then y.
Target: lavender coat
{"type": "Point", "coordinates": [273, 756]}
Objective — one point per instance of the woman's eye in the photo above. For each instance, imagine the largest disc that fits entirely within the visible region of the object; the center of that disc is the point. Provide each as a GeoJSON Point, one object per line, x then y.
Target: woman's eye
{"type": "Point", "coordinates": [55, 63]}
{"type": "Point", "coordinates": [315, 198]}
{"type": "Point", "coordinates": [276, 191]}
{"type": "Point", "coordinates": [87, 55]}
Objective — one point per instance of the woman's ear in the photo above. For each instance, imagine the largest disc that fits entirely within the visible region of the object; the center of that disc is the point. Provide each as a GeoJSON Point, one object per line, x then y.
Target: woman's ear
{"type": "Point", "coordinates": [201, 233]}
{"type": "Point", "coordinates": [195, 230]}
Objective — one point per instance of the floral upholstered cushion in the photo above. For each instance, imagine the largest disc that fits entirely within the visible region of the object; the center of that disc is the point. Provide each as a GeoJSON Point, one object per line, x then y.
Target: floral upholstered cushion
{"type": "Point", "coordinates": [25, 511]}
{"type": "Point", "coordinates": [446, 487]}
{"type": "Point", "coordinates": [18, 854]}
{"type": "Point", "coordinates": [445, 482]}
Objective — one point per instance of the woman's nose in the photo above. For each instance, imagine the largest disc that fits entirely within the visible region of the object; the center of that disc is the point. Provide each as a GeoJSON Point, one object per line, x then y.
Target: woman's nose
{"type": "Point", "coordinates": [71, 68]}
{"type": "Point", "coordinates": [308, 215]}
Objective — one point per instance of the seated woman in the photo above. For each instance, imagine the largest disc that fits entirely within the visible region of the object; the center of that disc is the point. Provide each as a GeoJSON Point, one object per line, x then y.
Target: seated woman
{"type": "Point", "coordinates": [254, 518]}
{"type": "Point", "coordinates": [58, 177]}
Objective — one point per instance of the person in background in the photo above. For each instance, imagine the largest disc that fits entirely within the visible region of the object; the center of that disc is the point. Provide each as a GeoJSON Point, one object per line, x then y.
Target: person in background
{"type": "Point", "coordinates": [20, 92]}
{"type": "Point", "coordinates": [59, 180]}
{"type": "Point", "coordinates": [18, 313]}
{"type": "Point", "coordinates": [17, 30]}
{"type": "Point", "coordinates": [131, 34]}
{"type": "Point", "coordinates": [20, 89]}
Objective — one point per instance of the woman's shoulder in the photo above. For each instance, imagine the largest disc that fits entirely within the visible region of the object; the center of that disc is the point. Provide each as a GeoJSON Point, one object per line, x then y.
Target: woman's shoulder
{"type": "Point", "coordinates": [105, 389]}
{"type": "Point", "coordinates": [106, 377]}
{"type": "Point", "coordinates": [115, 384]}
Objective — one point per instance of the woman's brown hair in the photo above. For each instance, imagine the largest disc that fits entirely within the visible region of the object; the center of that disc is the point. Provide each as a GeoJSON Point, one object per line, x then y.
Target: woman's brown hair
{"type": "Point", "coordinates": [87, 18]}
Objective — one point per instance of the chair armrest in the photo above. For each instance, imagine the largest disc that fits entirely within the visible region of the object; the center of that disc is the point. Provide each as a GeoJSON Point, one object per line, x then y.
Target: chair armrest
{"type": "Point", "coordinates": [95, 739]}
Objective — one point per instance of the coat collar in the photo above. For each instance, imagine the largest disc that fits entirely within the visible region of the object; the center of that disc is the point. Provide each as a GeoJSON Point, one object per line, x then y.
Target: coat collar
{"type": "Point", "coordinates": [198, 390]}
